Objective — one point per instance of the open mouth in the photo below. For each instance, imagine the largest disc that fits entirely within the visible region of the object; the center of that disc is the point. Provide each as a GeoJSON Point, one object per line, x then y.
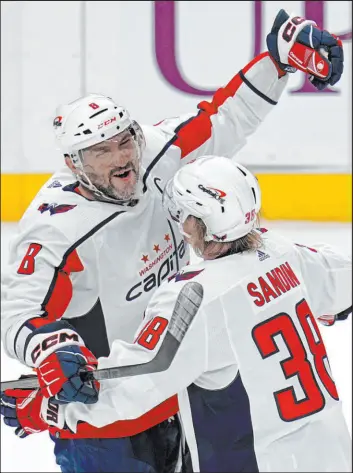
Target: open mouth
{"type": "Point", "coordinates": [124, 175]}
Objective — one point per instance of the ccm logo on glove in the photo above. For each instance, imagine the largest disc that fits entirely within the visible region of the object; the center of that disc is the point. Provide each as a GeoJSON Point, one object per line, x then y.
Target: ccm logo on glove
{"type": "Point", "coordinates": [51, 341]}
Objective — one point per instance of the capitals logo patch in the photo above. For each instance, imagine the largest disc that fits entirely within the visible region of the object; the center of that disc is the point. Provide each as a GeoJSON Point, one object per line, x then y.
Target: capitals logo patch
{"type": "Point", "coordinates": [187, 275]}
{"type": "Point", "coordinates": [55, 208]}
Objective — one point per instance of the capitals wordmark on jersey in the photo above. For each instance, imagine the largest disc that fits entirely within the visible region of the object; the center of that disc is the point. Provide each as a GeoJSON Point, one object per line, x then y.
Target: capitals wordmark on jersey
{"type": "Point", "coordinates": [87, 271]}
{"type": "Point", "coordinates": [157, 273]}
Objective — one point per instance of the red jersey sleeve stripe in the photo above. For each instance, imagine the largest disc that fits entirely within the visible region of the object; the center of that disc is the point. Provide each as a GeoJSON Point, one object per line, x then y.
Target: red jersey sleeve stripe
{"type": "Point", "coordinates": [37, 322]}
{"type": "Point", "coordinates": [195, 133]}
{"type": "Point", "coordinates": [60, 291]}
{"type": "Point", "coordinates": [60, 294]}
{"type": "Point", "coordinates": [123, 428]}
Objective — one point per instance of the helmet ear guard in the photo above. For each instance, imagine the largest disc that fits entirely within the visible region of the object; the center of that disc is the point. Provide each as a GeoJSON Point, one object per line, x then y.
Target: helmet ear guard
{"type": "Point", "coordinates": [179, 203]}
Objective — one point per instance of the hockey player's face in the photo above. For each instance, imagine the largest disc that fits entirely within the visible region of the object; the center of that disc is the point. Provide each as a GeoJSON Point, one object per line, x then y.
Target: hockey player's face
{"type": "Point", "coordinates": [113, 166]}
{"type": "Point", "coordinates": [189, 231]}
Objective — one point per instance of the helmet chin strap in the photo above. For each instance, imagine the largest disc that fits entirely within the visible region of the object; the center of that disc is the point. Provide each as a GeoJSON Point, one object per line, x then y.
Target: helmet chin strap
{"type": "Point", "coordinates": [181, 230]}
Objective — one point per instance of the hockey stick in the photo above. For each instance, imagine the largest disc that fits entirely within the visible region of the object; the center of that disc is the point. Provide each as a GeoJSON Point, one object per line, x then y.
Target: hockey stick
{"type": "Point", "coordinates": [344, 314]}
{"type": "Point", "coordinates": [185, 309]}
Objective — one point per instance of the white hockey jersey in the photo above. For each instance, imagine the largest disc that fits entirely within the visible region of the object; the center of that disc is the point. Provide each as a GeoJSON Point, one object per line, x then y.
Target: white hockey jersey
{"type": "Point", "coordinates": [96, 265]}
{"type": "Point", "coordinates": [253, 380]}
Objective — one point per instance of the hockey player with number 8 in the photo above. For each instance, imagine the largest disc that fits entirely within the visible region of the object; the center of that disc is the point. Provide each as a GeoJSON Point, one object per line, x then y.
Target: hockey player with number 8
{"type": "Point", "coordinates": [95, 244]}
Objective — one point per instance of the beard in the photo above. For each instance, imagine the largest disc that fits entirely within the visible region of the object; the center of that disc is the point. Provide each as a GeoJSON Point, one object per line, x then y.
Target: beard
{"type": "Point", "coordinates": [125, 193]}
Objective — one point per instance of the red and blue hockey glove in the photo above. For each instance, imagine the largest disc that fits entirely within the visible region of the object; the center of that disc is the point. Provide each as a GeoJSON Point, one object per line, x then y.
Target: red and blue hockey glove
{"type": "Point", "coordinates": [59, 375]}
{"type": "Point", "coordinates": [21, 410]}
{"type": "Point", "coordinates": [60, 356]}
{"type": "Point", "coordinates": [298, 44]}
{"type": "Point", "coordinates": [329, 320]}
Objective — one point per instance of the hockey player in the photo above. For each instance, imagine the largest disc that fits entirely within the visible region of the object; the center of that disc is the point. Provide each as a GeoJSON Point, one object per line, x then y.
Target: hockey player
{"type": "Point", "coordinates": [95, 243]}
{"type": "Point", "coordinates": [252, 374]}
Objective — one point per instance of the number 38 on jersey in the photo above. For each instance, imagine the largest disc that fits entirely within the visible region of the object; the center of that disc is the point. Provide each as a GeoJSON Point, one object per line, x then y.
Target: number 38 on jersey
{"type": "Point", "coordinates": [297, 364]}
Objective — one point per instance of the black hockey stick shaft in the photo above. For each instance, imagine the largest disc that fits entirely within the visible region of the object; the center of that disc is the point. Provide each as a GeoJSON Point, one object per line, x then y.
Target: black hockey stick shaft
{"type": "Point", "coordinates": [185, 309]}
{"type": "Point", "coordinates": [344, 314]}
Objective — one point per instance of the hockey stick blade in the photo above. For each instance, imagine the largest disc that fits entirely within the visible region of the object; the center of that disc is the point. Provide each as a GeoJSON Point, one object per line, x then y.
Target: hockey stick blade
{"type": "Point", "coordinates": [185, 309]}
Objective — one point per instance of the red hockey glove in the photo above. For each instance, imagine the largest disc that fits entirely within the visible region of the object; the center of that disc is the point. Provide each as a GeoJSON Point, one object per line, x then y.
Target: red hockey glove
{"type": "Point", "coordinates": [59, 375]}
{"type": "Point", "coordinates": [329, 320]}
{"type": "Point", "coordinates": [21, 409]}
{"type": "Point", "coordinates": [59, 356]}
{"type": "Point", "coordinates": [297, 44]}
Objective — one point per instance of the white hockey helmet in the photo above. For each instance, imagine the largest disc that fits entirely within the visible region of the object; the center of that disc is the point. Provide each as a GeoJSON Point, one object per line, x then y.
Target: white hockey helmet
{"type": "Point", "coordinates": [222, 193]}
{"type": "Point", "coordinates": [88, 121]}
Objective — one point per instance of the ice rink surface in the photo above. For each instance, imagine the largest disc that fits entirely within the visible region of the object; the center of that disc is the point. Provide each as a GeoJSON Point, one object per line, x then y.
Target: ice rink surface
{"type": "Point", "coordinates": [35, 453]}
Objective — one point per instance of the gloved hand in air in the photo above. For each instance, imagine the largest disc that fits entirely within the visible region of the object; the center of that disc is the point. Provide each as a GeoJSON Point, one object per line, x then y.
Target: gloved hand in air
{"type": "Point", "coordinates": [295, 43]}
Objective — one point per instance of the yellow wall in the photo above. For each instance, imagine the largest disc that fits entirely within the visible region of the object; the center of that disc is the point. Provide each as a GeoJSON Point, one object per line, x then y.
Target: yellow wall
{"type": "Point", "coordinates": [320, 197]}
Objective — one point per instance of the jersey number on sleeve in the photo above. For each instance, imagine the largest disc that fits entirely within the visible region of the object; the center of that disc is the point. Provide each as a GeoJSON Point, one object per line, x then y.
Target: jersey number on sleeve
{"type": "Point", "coordinates": [151, 333]}
{"type": "Point", "coordinates": [27, 265]}
{"type": "Point", "coordinates": [297, 364]}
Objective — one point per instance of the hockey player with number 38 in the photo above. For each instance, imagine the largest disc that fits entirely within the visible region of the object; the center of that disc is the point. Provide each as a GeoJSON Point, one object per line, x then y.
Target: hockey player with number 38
{"type": "Point", "coordinates": [252, 375]}
{"type": "Point", "coordinates": [95, 244]}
